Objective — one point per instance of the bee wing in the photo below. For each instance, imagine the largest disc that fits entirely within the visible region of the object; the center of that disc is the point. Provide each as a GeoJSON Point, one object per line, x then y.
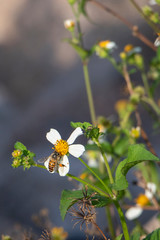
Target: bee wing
{"type": "Point", "coordinates": [42, 160]}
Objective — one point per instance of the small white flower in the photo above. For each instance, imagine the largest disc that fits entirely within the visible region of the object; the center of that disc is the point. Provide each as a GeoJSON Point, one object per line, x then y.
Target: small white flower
{"type": "Point", "coordinates": [69, 23]}
{"type": "Point", "coordinates": [63, 147]}
{"type": "Point", "coordinates": [142, 200]}
{"type": "Point", "coordinates": [152, 2]}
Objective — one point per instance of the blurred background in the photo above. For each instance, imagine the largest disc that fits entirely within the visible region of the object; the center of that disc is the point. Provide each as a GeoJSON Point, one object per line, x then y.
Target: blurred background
{"type": "Point", "coordinates": [42, 87]}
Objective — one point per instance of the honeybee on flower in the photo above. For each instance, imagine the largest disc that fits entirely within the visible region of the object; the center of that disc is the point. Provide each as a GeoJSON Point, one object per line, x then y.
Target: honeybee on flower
{"type": "Point", "coordinates": [58, 160]}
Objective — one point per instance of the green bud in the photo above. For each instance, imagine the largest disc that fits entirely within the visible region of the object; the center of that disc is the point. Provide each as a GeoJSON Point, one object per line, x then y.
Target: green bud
{"type": "Point", "coordinates": [101, 52]}
{"type": "Point", "coordinates": [140, 91]}
{"type": "Point", "coordinates": [72, 2]}
{"type": "Point", "coordinates": [147, 10]}
{"type": "Point", "coordinates": [139, 61]}
{"type": "Point", "coordinates": [155, 17]}
{"type": "Point", "coordinates": [135, 98]}
{"type": "Point", "coordinates": [16, 163]}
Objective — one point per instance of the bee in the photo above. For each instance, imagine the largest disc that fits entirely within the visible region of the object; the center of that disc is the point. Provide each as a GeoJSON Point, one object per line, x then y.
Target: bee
{"type": "Point", "coordinates": [52, 162]}
{"type": "Point", "coordinates": [157, 41]}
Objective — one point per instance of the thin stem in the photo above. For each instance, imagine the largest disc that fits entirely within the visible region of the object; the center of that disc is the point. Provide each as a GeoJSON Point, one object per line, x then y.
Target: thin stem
{"type": "Point", "coordinates": [153, 26]}
{"type": "Point", "coordinates": [106, 163]}
{"type": "Point", "coordinates": [89, 93]}
{"type": "Point", "coordinates": [123, 221]}
{"type": "Point", "coordinates": [152, 104]}
{"type": "Point", "coordinates": [100, 191]}
{"type": "Point", "coordinates": [40, 166]}
{"type": "Point", "coordinates": [110, 222]}
{"type": "Point", "coordinates": [106, 187]}
{"type": "Point", "coordinates": [132, 27]}
{"type": "Point", "coordinates": [127, 79]}
{"type": "Point", "coordinates": [146, 85]}
{"type": "Point", "coordinates": [99, 230]}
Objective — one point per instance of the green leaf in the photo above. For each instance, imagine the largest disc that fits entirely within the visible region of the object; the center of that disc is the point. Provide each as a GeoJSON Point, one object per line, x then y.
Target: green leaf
{"type": "Point", "coordinates": [19, 146]}
{"type": "Point", "coordinates": [135, 236]}
{"type": "Point", "coordinates": [84, 125]}
{"type": "Point", "coordinates": [121, 146]}
{"type": "Point", "coordinates": [136, 154]}
{"type": "Point", "coordinates": [99, 201]}
{"type": "Point", "coordinates": [82, 6]}
{"type": "Point", "coordinates": [84, 54]}
{"type": "Point", "coordinates": [155, 235]}
{"type": "Point", "coordinates": [119, 237]}
{"type": "Point", "coordinates": [68, 198]}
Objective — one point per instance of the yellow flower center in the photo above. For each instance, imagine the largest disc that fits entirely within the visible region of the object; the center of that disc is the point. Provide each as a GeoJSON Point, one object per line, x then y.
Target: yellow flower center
{"type": "Point", "coordinates": [142, 200]}
{"type": "Point", "coordinates": [61, 147]}
{"type": "Point", "coordinates": [83, 175]}
{"type": "Point", "coordinates": [103, 44]}
{"type": "Point", "coordinates": [128, 48]}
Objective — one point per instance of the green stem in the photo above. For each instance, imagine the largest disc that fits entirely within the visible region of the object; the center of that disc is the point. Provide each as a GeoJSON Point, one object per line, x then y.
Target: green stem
{"type": "Point", "coordinates": [123, 221]}
{"type": "Point", "coordinates": [106, 163]}
{"type": "Point", "coordinates": [146, 85]}
{"type": "Point", "coordinates": [40, 166]}
{"type": "Point", "coordinates": [89, 93]}
{"type": "Point", "coordinates": [152, 104]}
{"type": "Point", "coordinates": [114, 63]}
{"type": "Point", "coordinates": [100, 191]}
{"type": "Point", "coordinates": [150, 23]}
{"type": "Point", "coordinates": [106, 187]}
{"type": "Point", "coordinates": [110, 223]}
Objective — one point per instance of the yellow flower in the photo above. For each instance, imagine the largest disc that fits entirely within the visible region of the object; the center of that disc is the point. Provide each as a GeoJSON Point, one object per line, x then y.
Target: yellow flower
{"type": "Point", "coordinates": [58, 233]}
{"type": "Point", "coordinates": [135, 132]}
{"type": "Point", "coordinates": [121, 105]}
{"type": "Point", "coordinates": [123, 55]}
{"type": "Point", "coordinates": [16, 153]}
{"type": "Point", "coordinates": [142, 200]}
{"type": "Point", "coordinates": [128, 48]}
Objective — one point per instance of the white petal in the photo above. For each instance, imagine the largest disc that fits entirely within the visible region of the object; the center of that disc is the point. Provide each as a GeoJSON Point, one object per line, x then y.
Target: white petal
{"type": "Point", "coordinates": [76, 150]}
{"type": "Point", "coordinates": [151, 190]}
{"type": "Point", "coordinates": [77, 132]}
{"type": "Point", "coordinates": [133, 212]}
{"type": "Point", "coordinates": [53, 136]}
{"type": "Point", "coordinates": [63, 170]}
{"type": "Point", "coordinates": [46, 164]}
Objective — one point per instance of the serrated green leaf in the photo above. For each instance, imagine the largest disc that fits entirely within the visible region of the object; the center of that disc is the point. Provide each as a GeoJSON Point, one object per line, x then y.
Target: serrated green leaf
{"type": "Point", "coordinates": [136, 154]}
{"type": "Point", "coordinates": [68, 198]}
{"type": "Point", "coordinates": [84, 125]}
{"type": "Point", "coordinates": [19, 146]}
{"type": "Point", "coordinates": [119, 237]}
{"type": "Point", "coordinates": [135, 236]}
{"type": "Point", "coordinates": [155, 235]}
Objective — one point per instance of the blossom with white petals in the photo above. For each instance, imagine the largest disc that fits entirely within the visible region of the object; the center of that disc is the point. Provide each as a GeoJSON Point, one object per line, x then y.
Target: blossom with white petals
{"type": "Point", "coordinates": [142, 200]}
{"type": "Point", "coordinates": [152, 2]}
{"type": "Point", "coordinates": [63, 147]}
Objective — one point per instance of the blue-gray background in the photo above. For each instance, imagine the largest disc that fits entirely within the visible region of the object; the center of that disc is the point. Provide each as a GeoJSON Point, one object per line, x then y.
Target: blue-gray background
{"type": "Point", "coordinates": [42, 87]}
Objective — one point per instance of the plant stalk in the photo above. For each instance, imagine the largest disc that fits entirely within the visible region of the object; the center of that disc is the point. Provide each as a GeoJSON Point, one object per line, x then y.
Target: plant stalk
{"type": "Point", "coordinates": [89, 93]}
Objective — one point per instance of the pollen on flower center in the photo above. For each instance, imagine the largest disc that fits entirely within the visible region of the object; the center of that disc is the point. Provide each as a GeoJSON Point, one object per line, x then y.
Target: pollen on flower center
{"type": "Point", "coordinates": [61, 147]}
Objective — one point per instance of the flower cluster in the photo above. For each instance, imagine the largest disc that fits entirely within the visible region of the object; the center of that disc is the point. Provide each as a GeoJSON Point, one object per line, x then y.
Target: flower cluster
{"type": "Point", "coordinates": [22, 156]}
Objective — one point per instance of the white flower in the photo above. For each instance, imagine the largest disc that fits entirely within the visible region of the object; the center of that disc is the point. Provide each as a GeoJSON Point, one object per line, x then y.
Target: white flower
{"type": "Point", "coordinates": [142, 200]}
{"type": "Point", "coordinates": [152, 2]}
{"type": "Point", "coordinates": [69, 23]}
{"type": "Point", "coordinates": [63, 147]}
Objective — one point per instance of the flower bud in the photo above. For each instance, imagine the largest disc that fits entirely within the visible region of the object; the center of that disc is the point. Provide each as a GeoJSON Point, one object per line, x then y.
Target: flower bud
{"type": "Point", "coordinates": [69, 24]}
